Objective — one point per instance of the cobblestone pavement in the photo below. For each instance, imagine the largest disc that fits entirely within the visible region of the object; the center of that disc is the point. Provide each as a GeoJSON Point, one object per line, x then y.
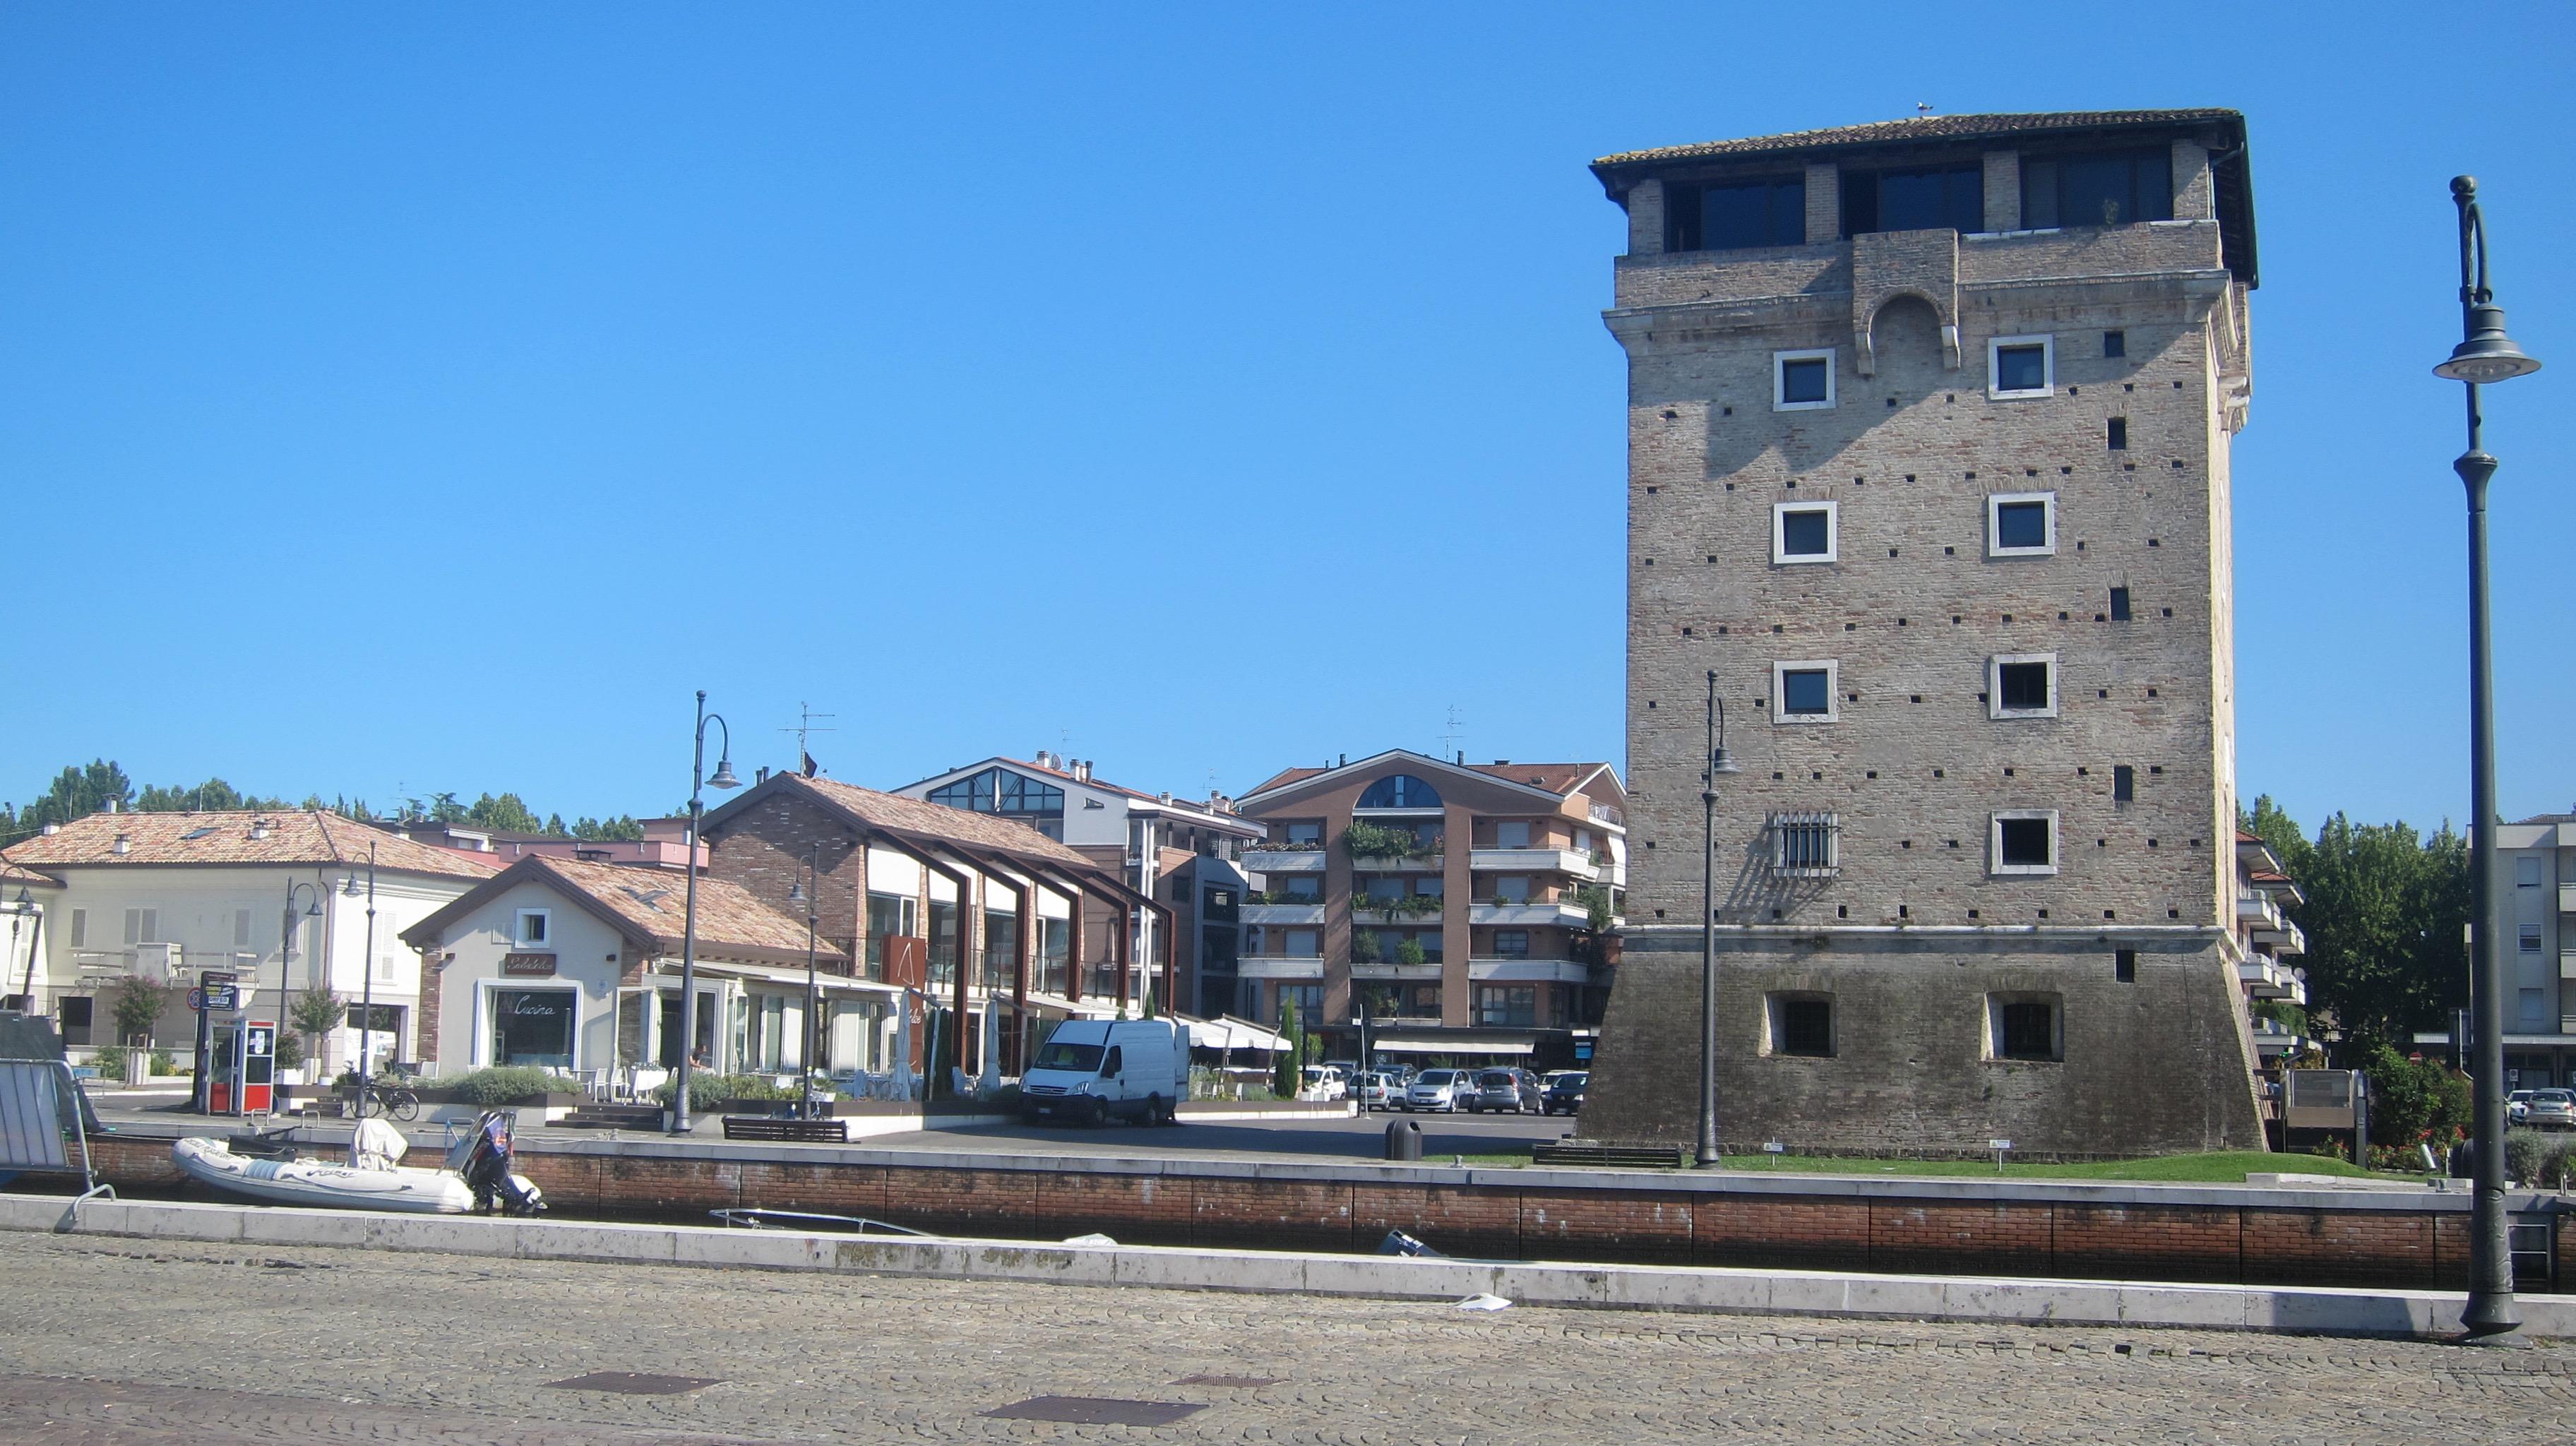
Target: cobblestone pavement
{"type": "Point", "coordinates": [129, 1341]}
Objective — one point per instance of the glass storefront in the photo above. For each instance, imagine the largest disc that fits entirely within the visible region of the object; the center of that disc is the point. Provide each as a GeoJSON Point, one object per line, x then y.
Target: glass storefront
{"type": "Point", "coordinates": [533, 1027]}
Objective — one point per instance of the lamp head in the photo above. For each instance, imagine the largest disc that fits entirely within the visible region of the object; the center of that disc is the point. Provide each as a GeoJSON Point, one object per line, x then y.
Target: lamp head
{"type": "Point", "coordinates": [796, 891]}
{"type": "Point", "coordinates": [2488, 355]}
{"type": "Point", "coordinates": [314, 910]}
{"type": "Point", "coordinates": [1721, 762]}
{"type": "Point", "coordinates": [349, 888]}
{"type": "Point", "coordinates": [723, 776]}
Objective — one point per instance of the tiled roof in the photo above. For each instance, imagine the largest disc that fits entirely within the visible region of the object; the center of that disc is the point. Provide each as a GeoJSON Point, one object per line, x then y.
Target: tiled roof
{"type": "Point", "coordinates": [1283, 778]}
{"type": "Point", "coordinates": [2548, 818]}
{"type": "Point", "coordinates": [918, 817]}
{"type": "Point", "coordinates": [1557, 778]}
{"type": "Point", "coordinates": [652, 904]}
{"type": "Point", "coordinates": [12, 874]}
{"type": "Point", "coordinates": [311, 837]}
{"type": "Point", "coordinates": [1919, 128]}
{"type": "Point", "coordinates": [1554, 777]}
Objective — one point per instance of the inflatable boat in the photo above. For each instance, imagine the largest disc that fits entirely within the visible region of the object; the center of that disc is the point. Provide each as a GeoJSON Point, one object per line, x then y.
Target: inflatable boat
{"type": "Point", "coordinates": [375, 1184]}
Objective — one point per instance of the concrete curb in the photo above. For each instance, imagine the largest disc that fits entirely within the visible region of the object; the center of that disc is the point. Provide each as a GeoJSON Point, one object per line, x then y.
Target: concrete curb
{"type": "Point", "coordinates": [2288, 1309]}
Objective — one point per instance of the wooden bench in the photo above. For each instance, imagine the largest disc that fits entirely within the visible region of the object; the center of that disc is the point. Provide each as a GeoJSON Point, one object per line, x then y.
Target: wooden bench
{"type": "Point", "coordinates": [1611, 1156]}
{"type": "Point", "coordinates": [787, 1128]}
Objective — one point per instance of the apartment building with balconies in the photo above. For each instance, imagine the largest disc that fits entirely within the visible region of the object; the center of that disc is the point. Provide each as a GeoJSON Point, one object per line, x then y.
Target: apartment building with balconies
{"type": "Point", "coordinates": [2534, 888]}
{"type": "Point", "coordinates": [1464, 909]}
{"type": "Point", "coordinates": [1929, 427]}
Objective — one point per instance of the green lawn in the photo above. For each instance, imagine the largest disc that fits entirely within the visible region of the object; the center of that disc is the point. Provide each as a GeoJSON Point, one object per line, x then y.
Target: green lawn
{"type": "Point", "coordinates": [2220, 1167]}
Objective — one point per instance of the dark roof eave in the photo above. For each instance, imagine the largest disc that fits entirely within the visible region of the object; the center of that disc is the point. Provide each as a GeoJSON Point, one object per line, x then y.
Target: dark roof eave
{"type": "Point", "coordinates": [2230, 172]}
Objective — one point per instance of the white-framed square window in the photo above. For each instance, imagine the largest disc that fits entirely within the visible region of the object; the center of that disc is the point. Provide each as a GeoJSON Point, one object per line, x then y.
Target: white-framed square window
{"type": "Point", "coordinates": [2021, 366]}
{"type": "Point", "coordinates": [2022, 841]}
{"type": "Point", "coordinates": [2021, 524]}
{"type": "Point", "coordinates": [1802, 381]}
{"type": "Point", "coordinates": [1806, 532]}
{"type": "Point", "coordinates": [1806, 691]}
{"type": "Point", "coordinates": [534, 928]}
{"type": "Point", "coordinates": [2021, 685]}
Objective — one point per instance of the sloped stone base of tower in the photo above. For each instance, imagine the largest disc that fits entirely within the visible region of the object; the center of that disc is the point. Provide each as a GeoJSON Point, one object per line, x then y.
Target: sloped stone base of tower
{"type": "Point", "coordinates": [2156, 1064]}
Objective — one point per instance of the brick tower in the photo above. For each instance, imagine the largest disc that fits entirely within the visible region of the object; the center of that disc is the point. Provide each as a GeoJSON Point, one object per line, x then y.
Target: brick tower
{"type": "Point", "coordinates": [1928, 434]}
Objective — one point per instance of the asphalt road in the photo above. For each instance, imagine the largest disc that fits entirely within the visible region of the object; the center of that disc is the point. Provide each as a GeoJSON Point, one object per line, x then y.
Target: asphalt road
{"type": "Point", "coordinates": [122, 1343]}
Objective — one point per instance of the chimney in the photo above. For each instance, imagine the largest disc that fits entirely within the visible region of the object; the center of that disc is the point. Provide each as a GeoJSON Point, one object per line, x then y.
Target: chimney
{"type": "Point", "coordinates": [1082, 770]}
{"type": "Point", "coordinates": [1345, 763]}
{"type": "Point", "coordinates": [1045, 759]}
{"type": "Point", "coordinates": [760, 775]}
{"type": "Point", "coordinates": [123, 842]}
{"type": "Point", "coordinates": [259, 828]}
{"type": "Point", "coordinates": [1462, 757]}
{"type": "Point", "coordinates": [114, 804]}
{"type": "Point", "coordinates": [51, 829]}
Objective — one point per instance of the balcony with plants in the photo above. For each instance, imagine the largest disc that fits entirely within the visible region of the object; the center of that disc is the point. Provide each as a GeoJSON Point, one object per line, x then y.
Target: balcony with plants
{"type": "Point", "coordinates": [1391, 848]}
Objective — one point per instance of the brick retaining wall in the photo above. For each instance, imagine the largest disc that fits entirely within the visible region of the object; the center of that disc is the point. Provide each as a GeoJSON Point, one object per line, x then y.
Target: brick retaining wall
{"type": "Point", "coordinates": [1948, 1226]}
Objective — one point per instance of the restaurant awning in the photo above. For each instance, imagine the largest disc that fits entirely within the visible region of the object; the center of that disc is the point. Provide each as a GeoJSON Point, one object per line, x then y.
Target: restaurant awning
{"type": "Point", "coordinates": [1227, 1032]}
{"type": "Point", "coordinates": [1401, 1045]}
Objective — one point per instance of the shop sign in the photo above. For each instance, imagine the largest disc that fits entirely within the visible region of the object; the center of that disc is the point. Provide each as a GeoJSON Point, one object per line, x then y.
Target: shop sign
{"type": "Point", "coordinates": [539, 966]}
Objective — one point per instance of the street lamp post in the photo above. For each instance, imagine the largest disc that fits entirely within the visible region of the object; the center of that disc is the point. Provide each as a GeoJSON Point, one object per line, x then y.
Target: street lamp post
{"type": "Point", "coordinates": [805, 893]}
{"type": "Point", "coordinates": [2485, 354]}
{"type": "Point", "coordinates": [1714, 762]}
{"type": "Point", "coordinates": [285, 971]}
{"type": "Point", "coordinates": [366, 987]}
{"type": "Point", "coordinates": [698, 781]}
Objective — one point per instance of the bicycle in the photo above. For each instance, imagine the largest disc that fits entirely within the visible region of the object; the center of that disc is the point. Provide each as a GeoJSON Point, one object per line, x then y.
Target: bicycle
{"type": "Point", "coordinates": [397, 1100]}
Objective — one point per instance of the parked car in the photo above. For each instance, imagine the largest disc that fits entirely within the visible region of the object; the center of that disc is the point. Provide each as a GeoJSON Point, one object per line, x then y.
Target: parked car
{"type": "Point", "coordinates": [1504, 1091]}
{"type": "Point", "coordinates": [1437, 1089]}
{"type": "Point", "coordinates": [1322, 1082]}
{"type": "Point", "coordinates": [2515, 1104]}
{"type": "Point", "coordinates": [1379, 1091]}
{"type": "Point", "coordinates": [1091, 1070]}
{"type": "Point", "coordinates": [1565, 1092]}
{"type": "Point", "coordinates": [2551, 1110]}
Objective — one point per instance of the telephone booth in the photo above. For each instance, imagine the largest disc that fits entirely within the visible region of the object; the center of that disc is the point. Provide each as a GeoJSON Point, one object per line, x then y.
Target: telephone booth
{"type": "Point", "coordinates": [244, 1080]}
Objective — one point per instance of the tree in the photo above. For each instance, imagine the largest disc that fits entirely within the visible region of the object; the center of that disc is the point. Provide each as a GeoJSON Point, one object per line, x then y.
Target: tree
{"type": "Point", "coordinates": [1287, 1068]}
{"type": "Point", "coordinates": [443, 808]}
{"type": "Point", "coordinates": [508, 813]}
{"type": "Point", "coordinates": [77, 793]}
{"type": "Point", "coordinates": [623, 826]}
{"type": "Point", "coordinates": [2383, 917]}
{"type": "Point", "coordinates": [314, 1014]}
{"type": "Point", "coordinates": [137, 1006]}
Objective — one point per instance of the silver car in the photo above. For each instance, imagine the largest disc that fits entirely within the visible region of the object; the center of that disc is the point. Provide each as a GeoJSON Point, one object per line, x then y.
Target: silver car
{"type": "Point", "coordinates": [1437, 1089]}
{"type": "Point", "coordinates": [1506, 1091]}
{"type": "Point", "coordinates": [2551, 1110]}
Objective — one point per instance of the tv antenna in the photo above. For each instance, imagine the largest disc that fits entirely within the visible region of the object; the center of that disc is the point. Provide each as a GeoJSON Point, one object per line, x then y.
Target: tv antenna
{"type": "Point", "coordinates": [1451, 732]}
{"type": "Point", "coordinates": [805, 724]}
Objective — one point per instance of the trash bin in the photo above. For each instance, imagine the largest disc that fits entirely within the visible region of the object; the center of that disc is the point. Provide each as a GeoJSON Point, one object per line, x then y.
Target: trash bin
{"type": "Point", "coordinates": [1403, 1140]}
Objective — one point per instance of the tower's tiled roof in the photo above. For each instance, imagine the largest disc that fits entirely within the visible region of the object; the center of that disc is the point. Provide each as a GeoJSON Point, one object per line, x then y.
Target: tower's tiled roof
{"type": "Point", "coordinates": [1922, 128]}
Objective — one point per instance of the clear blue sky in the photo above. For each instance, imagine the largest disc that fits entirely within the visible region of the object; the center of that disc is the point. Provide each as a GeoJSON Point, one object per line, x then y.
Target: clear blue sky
{"type": "Point", "coordinates": [435, 397]}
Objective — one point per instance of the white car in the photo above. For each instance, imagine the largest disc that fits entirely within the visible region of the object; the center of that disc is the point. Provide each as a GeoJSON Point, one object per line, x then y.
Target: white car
{"type": "Point", "coordinates": [2517, 1106]}
{"type": "Point", "coordinates": [1322, 1082]}
{"type": "Point", "coordinates": [1437, 1089]}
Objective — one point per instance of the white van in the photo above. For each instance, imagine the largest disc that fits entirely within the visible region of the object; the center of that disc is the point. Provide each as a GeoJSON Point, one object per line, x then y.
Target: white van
{"type": "Point", "coordinates": [1093, 1070]}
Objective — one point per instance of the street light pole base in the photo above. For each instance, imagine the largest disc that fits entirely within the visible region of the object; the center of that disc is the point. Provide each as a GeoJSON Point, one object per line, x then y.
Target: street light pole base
{"type": "Point", "coordinates": [2491, 1319]}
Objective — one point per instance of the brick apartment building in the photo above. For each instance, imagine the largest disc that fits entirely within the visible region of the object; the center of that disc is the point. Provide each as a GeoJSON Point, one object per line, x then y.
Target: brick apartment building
{"type": "Point", "coordinates": [1928, 458]}
{"type": "Point", "coordinates": [1179, 851]}
{"type": "Point", "coordinates": [1455, 903]}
